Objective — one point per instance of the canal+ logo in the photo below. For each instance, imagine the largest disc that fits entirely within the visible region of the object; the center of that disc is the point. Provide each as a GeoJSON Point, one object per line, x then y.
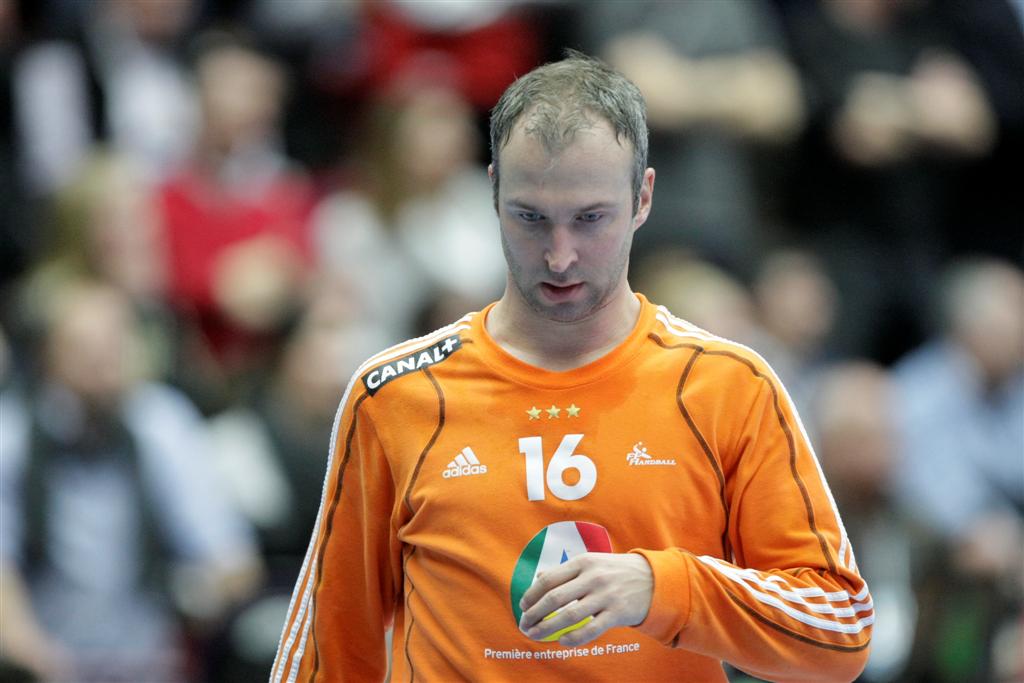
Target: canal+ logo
{"type": "Point", "coordinates": [381, 375]}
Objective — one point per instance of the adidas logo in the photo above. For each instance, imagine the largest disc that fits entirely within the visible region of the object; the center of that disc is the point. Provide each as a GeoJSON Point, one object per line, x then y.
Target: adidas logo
{"type": "Point", "coordinates": [464, 464]}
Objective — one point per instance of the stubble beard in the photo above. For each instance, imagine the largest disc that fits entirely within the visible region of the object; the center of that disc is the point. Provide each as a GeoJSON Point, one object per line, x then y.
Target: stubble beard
{"type": "Point", "coordinates": [594, 298]}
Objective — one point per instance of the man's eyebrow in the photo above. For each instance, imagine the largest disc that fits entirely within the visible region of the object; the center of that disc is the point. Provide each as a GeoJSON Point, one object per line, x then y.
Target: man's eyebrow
{"type": "Point", "coordinates": [519, 204]}
{"type": "Point", "coordinates": [597, 207]}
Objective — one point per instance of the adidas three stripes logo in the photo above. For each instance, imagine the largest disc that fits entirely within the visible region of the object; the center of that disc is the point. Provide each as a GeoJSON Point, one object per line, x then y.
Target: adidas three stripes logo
{"type": "Point", "coordinates": [464, 464]}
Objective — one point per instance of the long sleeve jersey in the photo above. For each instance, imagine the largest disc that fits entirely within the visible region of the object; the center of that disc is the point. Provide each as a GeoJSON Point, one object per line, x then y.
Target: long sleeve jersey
{"type": "Point", "coordinates": [458, 472]}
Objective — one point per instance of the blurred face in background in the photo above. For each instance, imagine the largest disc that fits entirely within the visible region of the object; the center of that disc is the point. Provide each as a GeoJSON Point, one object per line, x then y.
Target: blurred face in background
{"type": "Point", "coordinates": [986, 313]}
{"type": "Point", "coordinates": [435, 137]}
{"type": "Point", "coordinates": [93, 347]}
{"type": "Point", "coordinates": [241, 94]}
{"type": "Point", "coordinates": [567, 219]}
{"type": "Point", "coordinates": [312, 390]}
{"type": "Point", "coordinates": [699, 292]}
{"type": "Point", "coordinates": [797, 300]}
{"type": "Point", "coordinates": [109, 223]}
{"type": "Point", "coordinates": [124, 237]}
{"type": "Point", "coordinates": [856, 428]}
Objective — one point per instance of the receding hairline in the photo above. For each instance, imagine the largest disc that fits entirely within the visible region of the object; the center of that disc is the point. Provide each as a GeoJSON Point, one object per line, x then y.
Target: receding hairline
{"type": "Point", "coordinates": [531, 123]}
{"type": "Point", "coordinates": [556, 100]}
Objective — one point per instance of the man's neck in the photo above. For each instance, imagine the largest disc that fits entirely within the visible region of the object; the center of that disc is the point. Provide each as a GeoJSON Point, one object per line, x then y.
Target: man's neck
{"type": "Point", "coordinates": [561, 346]}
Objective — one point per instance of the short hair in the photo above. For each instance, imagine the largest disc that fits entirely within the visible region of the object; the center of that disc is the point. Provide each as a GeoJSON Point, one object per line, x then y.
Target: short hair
{"type": "Point", "coordinates": [561, 98]}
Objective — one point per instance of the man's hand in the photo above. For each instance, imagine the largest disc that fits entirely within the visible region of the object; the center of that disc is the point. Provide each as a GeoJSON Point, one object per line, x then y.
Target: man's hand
{"type": "Point", "coordinates": [614, 589]}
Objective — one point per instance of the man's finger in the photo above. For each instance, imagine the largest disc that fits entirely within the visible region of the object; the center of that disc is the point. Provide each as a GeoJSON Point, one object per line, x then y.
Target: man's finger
{"type": "Point", "coordinates": [554, 599]}
{"type": "Point", "coordinates": [571, 615]}
{"type": "Point", "coordinates": [600, 623]}
{"type": "Point", "coordinates": [549, 579]}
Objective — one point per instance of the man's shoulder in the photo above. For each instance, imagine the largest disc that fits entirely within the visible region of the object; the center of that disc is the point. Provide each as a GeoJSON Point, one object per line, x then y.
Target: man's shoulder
{"type": "Point", "coordinates": [410, 357]}
{"type": "Point", "coordinates": [671, 331]}
{"type": "Point", "coordinates": [732, 360]}
{"type": "Point", "coordinates": [725, 367]}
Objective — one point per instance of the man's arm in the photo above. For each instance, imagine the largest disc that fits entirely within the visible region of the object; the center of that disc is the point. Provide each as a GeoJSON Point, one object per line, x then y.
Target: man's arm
{"type": "Point", "coordinates": [788, 605]}
{"type": "Point", "coordinates": [753, 94]}
{"type": "Point", "coordinates": [23, 640]}
{"type": "Point", "coordinates": [344, 598]}
{"type": "Point", "coordinates": [216, 563]}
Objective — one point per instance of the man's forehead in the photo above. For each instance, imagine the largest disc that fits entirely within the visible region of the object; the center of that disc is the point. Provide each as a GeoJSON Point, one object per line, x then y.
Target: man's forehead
{"type": "Point", "coordinates": [580, 175]}
{"type": "Point", "coordinates": [559, 128]}
{"type": "Point", "coordinates": [598, 142]}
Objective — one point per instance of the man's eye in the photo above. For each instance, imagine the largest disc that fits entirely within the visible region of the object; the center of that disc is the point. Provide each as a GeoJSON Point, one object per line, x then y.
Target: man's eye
{"type": "Point", "coordinates": [529, 216]}
{"type": "Point", "coordinates": [591, 217]}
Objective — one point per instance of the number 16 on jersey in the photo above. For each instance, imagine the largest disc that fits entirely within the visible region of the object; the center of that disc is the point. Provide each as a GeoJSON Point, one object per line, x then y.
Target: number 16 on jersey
{"type": "Point", "coordinates": [564, 459]}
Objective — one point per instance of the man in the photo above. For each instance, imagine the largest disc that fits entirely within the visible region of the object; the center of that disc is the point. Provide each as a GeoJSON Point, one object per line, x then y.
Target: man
{"type": "Point", "coordinates": [113, 521]}
{"type": "Point", "coordinates": [573, 450]}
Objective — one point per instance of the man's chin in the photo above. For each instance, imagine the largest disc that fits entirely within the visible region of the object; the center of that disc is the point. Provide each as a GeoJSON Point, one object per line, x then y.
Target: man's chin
{"type": "Point", "coordinates": [567, 312]}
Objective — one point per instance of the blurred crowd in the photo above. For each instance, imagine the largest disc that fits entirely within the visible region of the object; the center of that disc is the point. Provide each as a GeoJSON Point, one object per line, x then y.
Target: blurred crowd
{"type": "Point", "coordinates": [211, 211]}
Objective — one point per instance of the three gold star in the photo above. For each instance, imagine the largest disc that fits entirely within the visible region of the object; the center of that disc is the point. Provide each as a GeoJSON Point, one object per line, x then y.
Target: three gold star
{"type": "Point", "coordinates": [554, 412]}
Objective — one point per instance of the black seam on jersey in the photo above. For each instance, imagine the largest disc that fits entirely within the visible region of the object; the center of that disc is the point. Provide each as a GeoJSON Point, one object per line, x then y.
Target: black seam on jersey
{"type": "Point", "coordinates": [433, 438]}
{"type": "Point", "coordinates": [792, 453]}
{"type": "Point", "coordinates": [793, 634]}
{"type": "Point", "coordinates": [330, 525]}
{"type": "Point", "coordinates": [698, 350]}
{"type": "Point", "coordinates": [786, 430]}
{"type": "Point", "coordinates": [408, 504]}
{"type": "Point", "coordinates": [705, 447]}
{"type": "Point", "coordinates": [408, 611]}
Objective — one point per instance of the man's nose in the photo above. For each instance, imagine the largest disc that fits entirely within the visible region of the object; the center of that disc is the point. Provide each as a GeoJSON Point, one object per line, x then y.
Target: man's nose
{"type": "Point", "coordinates": [561, 254]}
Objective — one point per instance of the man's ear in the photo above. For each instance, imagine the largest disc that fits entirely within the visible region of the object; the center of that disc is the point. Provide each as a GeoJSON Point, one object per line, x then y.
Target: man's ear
{"type": "Point", "coordinates": [494, 184]}
{"type": "Point", "coordinates": [643, 209]}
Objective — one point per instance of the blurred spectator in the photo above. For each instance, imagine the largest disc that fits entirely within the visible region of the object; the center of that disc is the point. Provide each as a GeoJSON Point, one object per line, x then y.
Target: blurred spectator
{"type": "Point", "coordinates": [853, 420]}
{"type": "Point", "coordinates": [476, 47]}
{"type": "Point", "coordinates": [348, 55]}
{"type": "Point", "coordinates": [796, 309]}
{"type": "Point", "coordinates": [962, 419]}
{"type": "Point", "coordinates": [893, 109]}
{"type": "Point", "coordinates": [271, 451]}
{"type": "Point", "coordinates": [419, 225]}
{"type": "Point", "coordinates": [985, 215]}
{"type": "Point", "coordinates": [112, 519]}
{"type": "Point", "coordinates": [280, 436]}
{"type": "Point", "coordinates": [106, 227]}
{"type": "Point", "coordinates": [698, 292]}
{"type": "Point", "coordinates": [119, 80]}
{"type": "Point", "coordinates": [236, 222]}
{"type": "Point", "coordinates": [717, 84]}
{"type": "Point", "coordinates": [316, 41]}
{"type": "Point", "coordinates": [964, 401]}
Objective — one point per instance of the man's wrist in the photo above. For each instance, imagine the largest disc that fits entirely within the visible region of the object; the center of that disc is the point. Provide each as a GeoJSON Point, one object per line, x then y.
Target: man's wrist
{"type": "Point", "coordinates": [670, 597]}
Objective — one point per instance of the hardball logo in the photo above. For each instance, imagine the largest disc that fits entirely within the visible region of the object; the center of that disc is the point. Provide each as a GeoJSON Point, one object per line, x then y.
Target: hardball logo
{"type": "Point", "coordinates": [640, 457]}
{"type": "Point", "coordinates": [555, 544]}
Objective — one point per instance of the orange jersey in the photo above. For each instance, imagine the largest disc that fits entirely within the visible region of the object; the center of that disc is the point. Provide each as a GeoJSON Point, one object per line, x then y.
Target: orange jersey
{"type": "Point", "coordinates": [458, 472]}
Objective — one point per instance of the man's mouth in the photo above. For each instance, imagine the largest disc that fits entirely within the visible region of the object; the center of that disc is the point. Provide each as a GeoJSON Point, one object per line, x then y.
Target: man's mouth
{"type": "Point", "coordinates": [559, 293]}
